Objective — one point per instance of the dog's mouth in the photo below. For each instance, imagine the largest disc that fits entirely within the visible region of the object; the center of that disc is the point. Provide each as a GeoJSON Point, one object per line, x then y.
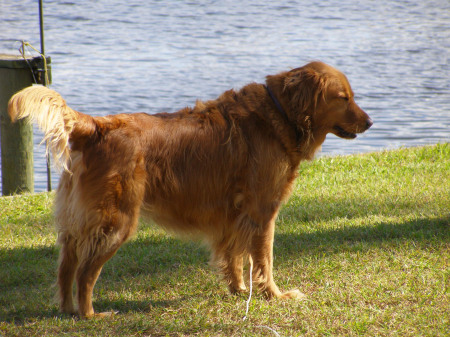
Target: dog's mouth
{"type": "Point", "coordinates": [340, 132]}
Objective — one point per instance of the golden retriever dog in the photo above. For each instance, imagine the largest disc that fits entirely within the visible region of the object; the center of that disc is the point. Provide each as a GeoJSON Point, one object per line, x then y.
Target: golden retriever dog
{"type": "Point", "coordinates": [219, 171]}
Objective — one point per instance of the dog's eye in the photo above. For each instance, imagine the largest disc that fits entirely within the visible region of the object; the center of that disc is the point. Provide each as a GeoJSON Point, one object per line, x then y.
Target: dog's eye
{"type": "Point", "coordinates": [343, 95]}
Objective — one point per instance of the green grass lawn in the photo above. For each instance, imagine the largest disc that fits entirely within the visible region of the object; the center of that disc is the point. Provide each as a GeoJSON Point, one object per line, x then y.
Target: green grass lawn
{"type": "Point", "coordinates": [365, 237]}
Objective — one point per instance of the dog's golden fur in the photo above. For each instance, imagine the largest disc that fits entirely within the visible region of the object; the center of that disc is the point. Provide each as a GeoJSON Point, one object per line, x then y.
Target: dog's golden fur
{"type": "Point", "coordinates": [220, 170]}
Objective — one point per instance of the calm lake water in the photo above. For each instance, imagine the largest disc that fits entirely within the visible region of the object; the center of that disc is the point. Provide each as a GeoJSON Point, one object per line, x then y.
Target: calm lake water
{"type": "Point", "coordinates": [110, 57]}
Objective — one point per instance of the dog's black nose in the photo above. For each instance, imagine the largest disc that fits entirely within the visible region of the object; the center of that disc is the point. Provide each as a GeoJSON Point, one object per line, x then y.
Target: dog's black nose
{"type": "Point", "coordinates": [369, 123]}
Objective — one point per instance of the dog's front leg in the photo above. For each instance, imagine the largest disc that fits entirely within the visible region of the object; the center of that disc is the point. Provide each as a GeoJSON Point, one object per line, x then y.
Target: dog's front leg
{"type": "Point", "coordinates": [261, 252]}
{"type": "Point", "coordinates": [233, 273]}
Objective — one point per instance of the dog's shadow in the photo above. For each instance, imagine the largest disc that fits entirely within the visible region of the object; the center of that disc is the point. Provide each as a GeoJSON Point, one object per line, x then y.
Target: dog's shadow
{"type": "Point", "coordinates": [362, 238]}
{"type": "Point", "coordinates": [28, 273]}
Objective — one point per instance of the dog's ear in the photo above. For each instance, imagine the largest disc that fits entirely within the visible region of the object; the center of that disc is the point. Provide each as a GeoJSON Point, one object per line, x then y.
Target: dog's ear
{"type": "Point", "coordinates": [304, 87]}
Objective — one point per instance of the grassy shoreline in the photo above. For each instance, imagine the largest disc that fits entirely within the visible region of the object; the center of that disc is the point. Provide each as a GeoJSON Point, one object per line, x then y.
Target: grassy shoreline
{"type": "Point", "coordinates": [365, 237]}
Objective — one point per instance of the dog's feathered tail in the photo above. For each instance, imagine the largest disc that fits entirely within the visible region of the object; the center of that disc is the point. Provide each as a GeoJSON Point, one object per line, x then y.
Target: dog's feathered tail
{"type": "Point", "coordinates": [50, 112]}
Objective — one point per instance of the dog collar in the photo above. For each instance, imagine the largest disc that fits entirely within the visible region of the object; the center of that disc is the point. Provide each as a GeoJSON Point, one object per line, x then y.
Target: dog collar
{"type": "Point", "coordinates": [298, 133]}
{"type": "Point", "coordinates": [277, 103]}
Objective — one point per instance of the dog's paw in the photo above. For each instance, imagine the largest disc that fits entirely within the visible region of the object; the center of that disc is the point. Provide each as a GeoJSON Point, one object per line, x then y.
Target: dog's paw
{"type": "Point", "coordinates": [293, 294]}
{"type": "Point", "coordinates": [101, 315]}
{"type": "Point", "coordinates": [106, 314]}
{"type": "Point", "coordinates": [235, 290]}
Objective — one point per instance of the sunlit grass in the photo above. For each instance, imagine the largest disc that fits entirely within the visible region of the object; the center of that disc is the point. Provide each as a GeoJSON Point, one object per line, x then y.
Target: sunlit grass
{"type": "Point", "coordinates": [365, 237]}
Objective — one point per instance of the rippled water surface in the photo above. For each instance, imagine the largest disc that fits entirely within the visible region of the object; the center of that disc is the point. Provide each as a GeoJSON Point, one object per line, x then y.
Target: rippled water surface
{"type": "Point", "coordinates": [127, 56]}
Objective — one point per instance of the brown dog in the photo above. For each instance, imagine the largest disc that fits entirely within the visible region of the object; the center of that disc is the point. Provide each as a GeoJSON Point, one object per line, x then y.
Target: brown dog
{"type": "Point", "coordinates": [220, 170]}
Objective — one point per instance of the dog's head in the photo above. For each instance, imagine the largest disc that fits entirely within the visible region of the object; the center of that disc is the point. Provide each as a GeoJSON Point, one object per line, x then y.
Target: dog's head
{"type": "Point", "coordinates": [319, 98]}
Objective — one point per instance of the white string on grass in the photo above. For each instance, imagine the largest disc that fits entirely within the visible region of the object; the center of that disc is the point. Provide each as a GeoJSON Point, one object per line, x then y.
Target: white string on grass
{"type": "Point", "coordinates": [251, 288]}
{"type": "Point", "coordinates": [249, 299]}
{"type": "Point", "coordinates": [266, 327]}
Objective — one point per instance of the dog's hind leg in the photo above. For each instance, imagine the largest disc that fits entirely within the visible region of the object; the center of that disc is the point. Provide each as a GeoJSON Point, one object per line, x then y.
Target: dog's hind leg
{"type": "Point", "coordinates": [95, 249]}
{"type": "Point", "coordinates": [68, 263]}
{"type": "Point", "coordinates": [87, 275]}
{"type": "Point", "coordinates": [98, 248]}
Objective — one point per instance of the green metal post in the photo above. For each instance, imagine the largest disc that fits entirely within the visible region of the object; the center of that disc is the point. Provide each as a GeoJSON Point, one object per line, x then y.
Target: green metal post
{"type": "Point", "coordinates": [41, 26]}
